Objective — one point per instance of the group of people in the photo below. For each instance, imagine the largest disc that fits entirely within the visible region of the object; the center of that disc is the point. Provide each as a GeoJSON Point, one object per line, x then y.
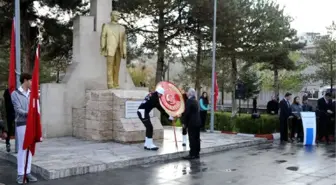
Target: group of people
{"type": "Point", "coordinates": [290, 116]}
{"type": "Point", "coordinates": [15, 115]}
{"type": "Point", "coordinates": [193, 119]}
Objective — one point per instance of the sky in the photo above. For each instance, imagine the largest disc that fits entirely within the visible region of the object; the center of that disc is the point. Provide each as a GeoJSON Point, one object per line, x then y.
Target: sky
{"type": "Point", "coordinates": [310, 15]}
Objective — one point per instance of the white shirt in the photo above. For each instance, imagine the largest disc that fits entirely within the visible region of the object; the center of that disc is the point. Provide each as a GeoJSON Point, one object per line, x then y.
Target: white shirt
{"type": "Point", "coordinates": [26, 93]}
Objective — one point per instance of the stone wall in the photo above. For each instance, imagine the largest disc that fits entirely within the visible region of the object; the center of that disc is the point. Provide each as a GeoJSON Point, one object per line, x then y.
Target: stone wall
{"type": "Point", "coordinates": [103, 117]}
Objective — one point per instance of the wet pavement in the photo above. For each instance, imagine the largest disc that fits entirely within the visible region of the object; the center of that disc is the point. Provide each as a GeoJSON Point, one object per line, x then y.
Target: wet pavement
{"type": "Point", "coordinates": [68, 156]}
{"type": "Point", "coordinates": [274, 164]}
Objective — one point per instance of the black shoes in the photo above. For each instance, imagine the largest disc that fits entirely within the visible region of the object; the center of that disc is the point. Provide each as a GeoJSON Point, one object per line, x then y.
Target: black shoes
{"type": "Point", "coordinates": [191, 157]}
{"type": "Point", "coordinates": [153, 148]}
{"type": "Point", "coordinates": [8, 149]}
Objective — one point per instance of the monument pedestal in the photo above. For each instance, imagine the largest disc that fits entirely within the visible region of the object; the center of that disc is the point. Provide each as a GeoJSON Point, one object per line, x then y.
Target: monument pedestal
{"type": "Point", "coordinates": [111, 115]}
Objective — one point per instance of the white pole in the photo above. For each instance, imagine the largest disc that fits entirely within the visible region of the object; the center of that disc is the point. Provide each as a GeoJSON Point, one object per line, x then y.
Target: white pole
{"type": "Point", "coordinates": [213, 69]}
{"type": "Point", "coordinates": [17, 53]}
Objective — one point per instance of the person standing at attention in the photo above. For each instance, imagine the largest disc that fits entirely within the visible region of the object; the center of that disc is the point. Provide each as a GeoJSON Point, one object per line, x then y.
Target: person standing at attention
{"type": "Point", "coordinates": [10, 116]}
{"type": "Point", "coordinates": [192, 121]}
{"type": "Point", "coordinates": [285, 114]}
{"type": "Point", "coordinates": [20, 100]}
{"type": "Point", "coordinates": [184, 128]}
{"type": "Point", "coordinates": [324, 106]}
{"type": "Point", "coordinates": [204, 105]}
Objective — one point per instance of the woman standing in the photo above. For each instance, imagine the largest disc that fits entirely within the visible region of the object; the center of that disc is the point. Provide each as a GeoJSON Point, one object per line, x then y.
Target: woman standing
{"type": "Point", "coordinates": [204, 103]}
{"type": "Point", "coordinates": [296, 122]}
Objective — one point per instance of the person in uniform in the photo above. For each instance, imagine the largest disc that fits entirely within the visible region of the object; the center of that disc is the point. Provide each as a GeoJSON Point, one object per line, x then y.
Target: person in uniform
{"type": "Point", "coordinates": [151, 101]}
{"type": "Point", "coordinates": [20, 100]}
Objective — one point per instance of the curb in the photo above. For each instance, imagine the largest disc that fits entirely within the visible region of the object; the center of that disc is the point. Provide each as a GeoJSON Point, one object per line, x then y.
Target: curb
{"type": "Point", "coordinates": [275, 136]}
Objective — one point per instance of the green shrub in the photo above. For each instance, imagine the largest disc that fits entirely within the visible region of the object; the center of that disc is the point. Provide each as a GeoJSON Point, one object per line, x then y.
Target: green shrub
{"type": "Point", "coordinates": [166, 122]}
{"type": "Point", "coordinates": [266, 124]}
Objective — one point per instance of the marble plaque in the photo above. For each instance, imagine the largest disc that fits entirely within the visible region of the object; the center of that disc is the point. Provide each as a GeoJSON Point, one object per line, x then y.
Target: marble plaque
{"type": "Point", "coordinates": [131, 108]}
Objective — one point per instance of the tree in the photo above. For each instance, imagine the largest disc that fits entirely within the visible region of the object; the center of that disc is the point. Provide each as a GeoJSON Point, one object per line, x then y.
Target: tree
{"type": "Point", "coordinates": [279, 59]}
{"type": "Point", "coordinates": [165, 17]}
{"type": "Point", "coordinates": [325, 57]}
{"type": "Point", "coordinates": [251, 81]}
{"type": "Point", "coordinates": [247, 29]}
{"type": "Point", "coordinates": [287, 79]}
{"type": "Point", "coordinates": [31, 21]}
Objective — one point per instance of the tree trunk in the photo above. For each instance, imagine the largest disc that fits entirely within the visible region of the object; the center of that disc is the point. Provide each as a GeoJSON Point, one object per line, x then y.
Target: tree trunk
{"type": "Point", "coordinates": [276, 82]}
{"type": "Point", "coordinates": [162, 44]}
{"type": "Point", "coordinates": [331, 75]}
{"type": "Point", "coordinates": [58, 76]}
{"type": "Point", "coordinates": [198, 63]}
{"type": "Point", "coordinates": [234, 81]}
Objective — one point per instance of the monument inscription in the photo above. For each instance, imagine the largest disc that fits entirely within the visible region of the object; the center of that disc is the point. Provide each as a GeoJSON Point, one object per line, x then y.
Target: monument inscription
{"type": "Point", "coordinates": [131, 108]}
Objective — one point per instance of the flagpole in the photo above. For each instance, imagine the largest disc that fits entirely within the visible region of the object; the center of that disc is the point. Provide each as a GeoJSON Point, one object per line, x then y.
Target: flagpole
{"type": "Point", "coordinates": [26, 166]}
{"type": "Point", "coordinates": [17, 53]}
{"type": "Point", "coordinates": [213, 68]}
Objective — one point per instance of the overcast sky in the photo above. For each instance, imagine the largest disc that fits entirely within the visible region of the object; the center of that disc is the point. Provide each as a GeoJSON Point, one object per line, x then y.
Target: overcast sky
{"type": "Point", "coordinates": [310, 15]}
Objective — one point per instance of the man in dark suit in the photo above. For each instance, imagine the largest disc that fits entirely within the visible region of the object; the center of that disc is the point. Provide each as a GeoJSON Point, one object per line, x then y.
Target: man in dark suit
{"type": "Point", "coordinates": [306, 107]}
{"type": "Point", "coordinates": [285, 114]}
{"type": "Point", "coordinates": [10, 116]}
{"type": "Point", "coordinates": [324, 106]}
{"type": "Point", "coordinates": [191, 119]}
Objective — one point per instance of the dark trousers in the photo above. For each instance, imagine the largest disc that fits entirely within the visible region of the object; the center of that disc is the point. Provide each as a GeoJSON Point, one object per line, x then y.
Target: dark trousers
{"type": "Point", "coordinates": [324, 128]}
{"type": "Point", "coordinates": [300, 129]}
{"type": "Point", "coordinates": [296, 127]}
{"type": "Point", "coordinates": [293, 128]}
{"type": "Point", "coordinates": [283, 130]}
{"type": "Point", "coordinates": [203, 115]}
{"type": "Point", "coordinates": [148, 124]}
{"type": "Point", "coordinates": [184, 130]}
{"type": "Point", "coordinates": [10, 131]}
{"type": "Point", "coordinates": [194, 141]}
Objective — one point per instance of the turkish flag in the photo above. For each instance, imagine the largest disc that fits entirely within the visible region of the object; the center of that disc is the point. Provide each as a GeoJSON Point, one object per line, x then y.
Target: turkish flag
{"type": "Point", "coordinates": [11, 75]}
{"type": "Point", "coordinates": [33, 128]}
{"type": "Point", "coordinates": [216, 92]}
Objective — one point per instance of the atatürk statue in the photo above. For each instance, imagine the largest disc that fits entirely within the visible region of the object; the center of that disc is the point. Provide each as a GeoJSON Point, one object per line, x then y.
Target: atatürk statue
{"type": "Point", "coordinates": [113, 47]}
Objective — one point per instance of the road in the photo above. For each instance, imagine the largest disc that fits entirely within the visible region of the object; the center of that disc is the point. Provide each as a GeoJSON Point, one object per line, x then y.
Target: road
{"type": "Point", "coordinates": [274, 164]}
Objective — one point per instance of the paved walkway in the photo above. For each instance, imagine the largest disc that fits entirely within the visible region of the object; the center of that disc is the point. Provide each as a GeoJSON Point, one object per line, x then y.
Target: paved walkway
{"type": "Point", "coordinates": [271, 164]}
{"type": "Point", "coordinates": [64, 157]}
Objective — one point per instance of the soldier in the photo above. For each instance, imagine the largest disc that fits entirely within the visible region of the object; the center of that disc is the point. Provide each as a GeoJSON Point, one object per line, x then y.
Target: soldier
{"type": "Point", "coordinates": [151, 101]}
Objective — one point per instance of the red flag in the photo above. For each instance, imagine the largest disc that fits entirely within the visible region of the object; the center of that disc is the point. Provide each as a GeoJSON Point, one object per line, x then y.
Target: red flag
{"type": "Point", "coordinates": [33, 128]}
{"type": "Point", "coordinates": [11, 76]}
{"type": "Point", "coordinates": [216, 92]}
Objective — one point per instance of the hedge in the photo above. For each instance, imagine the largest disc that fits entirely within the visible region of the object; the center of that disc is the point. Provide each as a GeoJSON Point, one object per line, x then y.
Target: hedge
{"type": "Point", "coordinates": [266, 124]}
{"type": "Point", "coordinates": [244, 123]}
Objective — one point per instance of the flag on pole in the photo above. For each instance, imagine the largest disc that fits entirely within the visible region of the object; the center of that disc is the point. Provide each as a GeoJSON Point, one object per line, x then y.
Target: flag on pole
{"type": "Point", "coordinates": [33, 128]}
{"type": "Point", "coordinates": [11, 76]}
{"type": "Point", "coordinates": [216, 93]}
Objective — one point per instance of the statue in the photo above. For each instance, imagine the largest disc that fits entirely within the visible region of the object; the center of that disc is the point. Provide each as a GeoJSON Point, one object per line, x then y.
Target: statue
{"type": "Point", "coordinates": [113, 47]}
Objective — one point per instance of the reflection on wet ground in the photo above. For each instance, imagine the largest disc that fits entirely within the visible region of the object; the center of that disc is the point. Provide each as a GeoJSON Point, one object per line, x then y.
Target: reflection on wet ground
{"type": "Point", "coordinates": [271, 164]}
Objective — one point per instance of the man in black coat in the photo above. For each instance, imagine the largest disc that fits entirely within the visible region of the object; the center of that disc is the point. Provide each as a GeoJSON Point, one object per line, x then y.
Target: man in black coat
{"type": "Point", "coordinates": [273, 106]}
{"type": "Point", "coordinates": [10, 116]}
{"type": "Point", "coordinates": [285, 114]}
{"type": "Point", "coordinates": [191, 119]}
{"type": "Point", "coordinates": [324, 106]}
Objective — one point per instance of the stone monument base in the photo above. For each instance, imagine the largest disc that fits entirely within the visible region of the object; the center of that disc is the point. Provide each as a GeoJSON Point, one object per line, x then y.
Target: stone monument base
{"type": "Point", "coordinates": [110, 115]}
